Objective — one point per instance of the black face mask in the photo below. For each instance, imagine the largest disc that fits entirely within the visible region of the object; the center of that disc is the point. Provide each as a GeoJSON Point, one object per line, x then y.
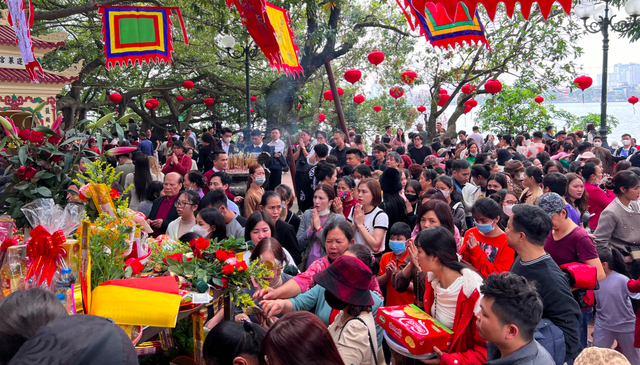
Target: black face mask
{"type": "Point", "coordinates": [334, 302]}
{"type": "Point", "coordinates": [490, 191]}
{"type": "Point", "coordinates": [411, 197]}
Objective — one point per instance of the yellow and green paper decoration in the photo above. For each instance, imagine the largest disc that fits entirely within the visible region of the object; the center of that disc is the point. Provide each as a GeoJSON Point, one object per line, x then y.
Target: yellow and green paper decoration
{"type": "Point", "coordinates": [133, 34]}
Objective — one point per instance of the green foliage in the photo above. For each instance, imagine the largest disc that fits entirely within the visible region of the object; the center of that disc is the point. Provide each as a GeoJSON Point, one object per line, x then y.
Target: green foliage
{"type": "Point", "coordinates": [580, 123]}
{"type": "Point", "coordinates": [514, 111]}
{"type": "Point", "coordinates": [108, 242]}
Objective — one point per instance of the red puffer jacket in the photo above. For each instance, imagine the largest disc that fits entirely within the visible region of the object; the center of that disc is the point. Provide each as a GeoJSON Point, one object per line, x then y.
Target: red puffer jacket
{"type": "Point", "coordinates": [634, 287]}
{"type": "Point", "coordinates": [467, 346]}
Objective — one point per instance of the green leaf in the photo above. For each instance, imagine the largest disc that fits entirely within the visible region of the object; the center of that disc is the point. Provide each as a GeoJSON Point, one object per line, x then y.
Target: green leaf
{"type": "Point", "coordinates": [23, 154]}
{"type": "Point", "coordinates": [44, 191]}
{"type": "Point", "coordinates": [216, 281]}
{"type": "Point", "coordinates": [4, 142]}
{"type": "Point", "coordinates": [23, 185]}
{"type": "Point", "coordinates": [175, 269]}
{"type": "Point", "coordinates": [38, 109]}
{"type": "Point", "coordinates": [72, 139]}
{"type": "Point", "coordinates": [104, 119]}
{"type": "Point", "coordinates": [103, 96]}
{"type": "Point", "coordinates": [120, 133]}
{"type": "Point", "coordinates": [46, 130]}
{"type": "Point", "coordinates": [126, 117]}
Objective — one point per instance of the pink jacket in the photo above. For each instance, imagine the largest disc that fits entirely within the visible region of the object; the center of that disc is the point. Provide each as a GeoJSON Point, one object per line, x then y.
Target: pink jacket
{"type": "Point", "coordinates": [598, 201]}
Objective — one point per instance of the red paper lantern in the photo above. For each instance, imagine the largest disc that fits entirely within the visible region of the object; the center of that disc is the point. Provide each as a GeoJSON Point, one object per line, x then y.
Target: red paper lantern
{"type": "Point", "coordinates": [467, 109]}
{"type": "Point", "coordinates": [188, 84]}
{"type": "Point", "coordinates": [352, 76]}
{"type": "Point", "coordinates": [358, 99]}
{"type": "Point", "coordinates": [251, 110]}
{"type": "Point", "coordinates": [422, 109]}
{"type": "Point", "coordinates": [115, 97]}
{"type": "Point", "coordinates": [583, 82]}
{"type": "Point", "coordinates": [472, 103]}
{"type": "Point", "coordinates": [377, 108]}
{"type": "Point", "coordinates": [340, 92]}
{"type": "Point", "coordinates": [396, 92]}
{"type": "Point", "coordinates": [328, 95]}
{"type": "Point", "coordinates": [179, 98]}
{"type": "Point", "coordinates": [443, 99]}
{"type": "Point", "coordinates": [253, 98]}
{"type": "Point", "coordinates": [208, 101]}
{"type": "Point", "coordinates": [443, 91]}
{"type": "Point", "coordinates": [493, 87]}
{"type": "Point", "coordinates": [633, 100]}
{"type": "Point", "coordinates": [408, 77]}
{"type": "Point", "coordinates": [321, 117]}
{"type": "Point", "coordinates": [376, 57]}
{"type": "Point", "coordinates": [154, 103]}
{"type": "Point", "coordinates": [468, 89]}
{"type": "Point", "coordinates": [538, 99]}
{"type": "Point", "coordinates": [148, 105]}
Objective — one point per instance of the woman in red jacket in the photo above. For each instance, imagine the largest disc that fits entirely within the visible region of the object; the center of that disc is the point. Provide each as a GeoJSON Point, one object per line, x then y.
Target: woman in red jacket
{"type": "Point", "coordinates": [598, 199]}
{"type": "Point", "coordinates": [451, 296]}
{"type": "Point", "coordinates": [178, 162]}
{"type": "Point", "coordinates": [485, 245]}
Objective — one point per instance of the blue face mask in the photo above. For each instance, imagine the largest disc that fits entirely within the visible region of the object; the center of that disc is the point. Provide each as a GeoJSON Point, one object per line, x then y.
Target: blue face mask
{"type": "Point", "coordinates": [398, 247]}
{"type": "Point", "coordinates": [484, 228]}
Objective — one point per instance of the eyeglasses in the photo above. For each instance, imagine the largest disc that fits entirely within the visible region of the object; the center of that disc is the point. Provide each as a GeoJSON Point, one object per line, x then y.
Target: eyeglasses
{"type": "Point", "coordinates": [179, 204]}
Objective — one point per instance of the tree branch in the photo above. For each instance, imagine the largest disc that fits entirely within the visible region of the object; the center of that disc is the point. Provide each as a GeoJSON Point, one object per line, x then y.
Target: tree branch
{"type": "Point", "coordinates": [384, 26]}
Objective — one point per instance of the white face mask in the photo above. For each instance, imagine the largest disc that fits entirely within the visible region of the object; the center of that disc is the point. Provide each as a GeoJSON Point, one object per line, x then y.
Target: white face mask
{"type": "Point", "coordinates": [226, 140]}
{"type": "Point", "coordinates": [357, 181]}
{"type": "Point", "coordinates": [259, 180]}
{"type": "Point", "coordinates": [597, 144]}
{"type": "Point", "coordinates": [508, 210]}
{"type": "Point", "coordinates": [445, 193]}
{"type": "Point", "coordinates": [626, 142]}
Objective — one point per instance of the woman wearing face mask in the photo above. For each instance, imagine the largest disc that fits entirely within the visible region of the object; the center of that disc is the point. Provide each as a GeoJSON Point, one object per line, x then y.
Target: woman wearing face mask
{"type": "Point", "coordinates": [412, 191]}
{"type": "Point", "coordinates": [314, 299]}
{"type": "Point", "coordinates": [576, 196]}
{"type": "Point", "coordinates": [271, 254]}
{"type": "Point", "coordinates": [212, 221]}
{"type": "Point", "coordinates": [309, 236]}
{"type": "Point", "coordinates": [506, 199]}
{"type": "Point", "coordinates": [485, 245]}
{"type": "Point", "coordinates": [194, 180]}
{"type": "Point", "coordinates": [272, 204]}
{"type": "Point", "coordinates": [451, 294]}
{"type": "Point", "coordinates": [186, 205]}
{"type": "Point", "coordinates": [472, 192]}
{"type": "Point", "coordinates": [622, 213]}
{"type": "Point", "coordinates": [496, 182]}
{"type": "Point", "coordinates": [598, 199]}
{"type": "Point", "coordinates": [532, 181]}
{"type": "Point", "coordinates": [254, 193]}
{"type": "Point", "coordinates": [287, 202]}
{"type": "Point", "coordinates": [454, 199]}
{"type": "Point", "coordinates": [515, 170]}
{"type": "Point", "coordinates": [370, 223]}
{"type": "Point", "coordinates": [472, 152]}
{"type": "Point", "coordinates": [346, 185]}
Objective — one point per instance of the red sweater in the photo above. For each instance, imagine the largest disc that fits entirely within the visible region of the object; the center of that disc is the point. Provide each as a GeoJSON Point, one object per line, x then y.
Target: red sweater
{"type": "Point", "coordinates": [598, 200]}
{"type": "Point", "coordinates": [182, 167]}
{"type": "Point", "coordinates": [634, 287]}
{"type": "Point", "coordinates": [492, 254]}
{"type": "Point", "coordinates": [467, 347]}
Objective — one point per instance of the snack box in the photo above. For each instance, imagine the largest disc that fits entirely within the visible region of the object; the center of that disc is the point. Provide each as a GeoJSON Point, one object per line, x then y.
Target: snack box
{"type": "Point", "coordinates": [414, 329]}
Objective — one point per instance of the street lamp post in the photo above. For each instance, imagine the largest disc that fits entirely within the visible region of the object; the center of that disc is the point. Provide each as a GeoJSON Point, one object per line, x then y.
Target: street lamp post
{"type": "Point", "coordinates": [248, 51]}
{"type": "Point", "coordinates": [602, 21]}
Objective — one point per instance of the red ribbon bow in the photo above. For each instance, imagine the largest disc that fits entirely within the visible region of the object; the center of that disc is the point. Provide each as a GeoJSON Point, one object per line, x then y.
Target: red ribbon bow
{"type": "Point", "coordinates": [44, 249]}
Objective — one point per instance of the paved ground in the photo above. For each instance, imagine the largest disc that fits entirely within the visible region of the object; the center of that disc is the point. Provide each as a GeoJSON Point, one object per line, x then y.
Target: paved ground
{"type": "Point", "coordinates": [287, 179]}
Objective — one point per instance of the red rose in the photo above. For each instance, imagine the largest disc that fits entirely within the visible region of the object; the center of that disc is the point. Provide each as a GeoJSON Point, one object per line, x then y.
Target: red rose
{"type": "Point", "coordinates": [241, 266]}
{"type": "Point", "coordinates": [54, 139]}
{"type": "Point", "coordinates": [227, 269]}
{"type": "Point", "coordinates": [175, 256]}
{"type": "Point", "coordinates": [221, 255]}
{"type": "Point", "coordinates": [202, 243]}
{"type": "Point", "coordinates": [56, 158]}
{"type": "Point", "coordinates": [26, 173]}
{"type": "Point", "coordinates": [36, 137]}
{"type": "Point", "coordinates": [114, 194]}
{"type": "Point", "coordinates": [135, 264]}
{"type": "Point", "coordinates": [225, 282]}
{"type": "Point", "coordinates": [24, 134]}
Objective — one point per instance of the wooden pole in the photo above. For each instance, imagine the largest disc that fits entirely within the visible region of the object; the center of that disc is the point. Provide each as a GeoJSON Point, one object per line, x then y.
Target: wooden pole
{"type": "Point", "coordinates": [229, 308]}
{"type": "Point", "coordinates": [336, 98]}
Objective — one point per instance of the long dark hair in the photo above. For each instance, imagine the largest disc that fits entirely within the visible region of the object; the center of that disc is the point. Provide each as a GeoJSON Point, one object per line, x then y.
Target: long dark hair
{"type": "Point", "coordinates": [439, 242]}
{"type": "Point", "coordinates": [400, 137]}
{"type": "Point", "coordinates": [230, 339]}
{"type": "Point", "coordinates": [299, 335]}
{"type": "Point", "coordinates": [255, 218]}
{"type": "Point", "coordinates": [614, 260]}
{"type": "Point", "coordinates": [141, 176]}
{"type": "Point", "coordinates": [214, 218]}
{"type": "Point", "coordinates": [331, 194]}
{"type": "Point", "coordinates": [456, 197]}
{"type": "Point", "coordinates": [581, 203]}
{"type": "Point", "coordinates": [393, 204]}
{"type": "Point", "coordinates": [623, 179]}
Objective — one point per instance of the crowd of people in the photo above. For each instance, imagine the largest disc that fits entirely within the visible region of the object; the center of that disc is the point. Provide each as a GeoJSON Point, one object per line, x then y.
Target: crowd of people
{"type": "Point", "coordinates": [514, 243]}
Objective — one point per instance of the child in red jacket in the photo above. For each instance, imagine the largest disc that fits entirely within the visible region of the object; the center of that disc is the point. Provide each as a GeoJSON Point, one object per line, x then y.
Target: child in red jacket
{"type": "Point", "coordinates": [485, 246]}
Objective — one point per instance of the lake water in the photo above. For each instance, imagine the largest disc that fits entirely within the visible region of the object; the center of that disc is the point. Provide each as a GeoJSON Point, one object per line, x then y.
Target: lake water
{"type": "Point", "coordinates": [623, 111]}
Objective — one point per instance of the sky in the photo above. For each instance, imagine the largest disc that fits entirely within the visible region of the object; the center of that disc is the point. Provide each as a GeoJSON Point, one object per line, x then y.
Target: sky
{"type": "Point", "coordinates": [618, 50]}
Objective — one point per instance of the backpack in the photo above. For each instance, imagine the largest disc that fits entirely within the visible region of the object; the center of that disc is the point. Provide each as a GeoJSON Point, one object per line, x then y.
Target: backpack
{"type": "Point", "coordinates": [551, 338]}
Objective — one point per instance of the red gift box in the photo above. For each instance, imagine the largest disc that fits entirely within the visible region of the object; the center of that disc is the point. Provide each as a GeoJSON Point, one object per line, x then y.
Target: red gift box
{"type": "Point", "coordinates": [417, 331]}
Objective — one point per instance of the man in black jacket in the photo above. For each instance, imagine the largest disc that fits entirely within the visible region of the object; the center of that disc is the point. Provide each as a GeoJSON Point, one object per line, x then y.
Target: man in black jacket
{"type": "Point", "coordinates": [528, 228]}
{"type": "Point", "coordinates": [163, 210]}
